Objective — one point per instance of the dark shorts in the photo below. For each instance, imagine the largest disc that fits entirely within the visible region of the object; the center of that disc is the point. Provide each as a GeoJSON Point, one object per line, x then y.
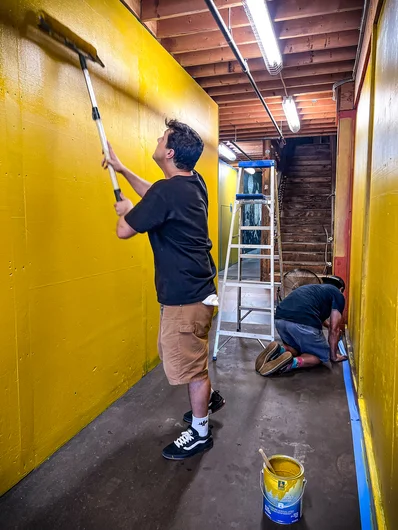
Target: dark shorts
{"type": "Point", "coordinates": [304, 339]}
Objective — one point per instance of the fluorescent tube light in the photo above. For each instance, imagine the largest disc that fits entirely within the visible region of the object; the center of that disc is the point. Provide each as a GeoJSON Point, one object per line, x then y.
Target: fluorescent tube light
{"type": "Point", "coordinates": [263, 29]}
{"type": "Point", "coordinates": [226, 152]}
{"type": "Point", "coordinates": [290, 110]}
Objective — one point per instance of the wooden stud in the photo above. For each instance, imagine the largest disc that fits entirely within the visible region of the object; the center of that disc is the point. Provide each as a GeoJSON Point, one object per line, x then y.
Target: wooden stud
{"type": "Point", "coordinates": [289, 61]}
{"type": "Point", "coordinates": [251, 96]}
{"type": "Point", "coordinates": [293, 9]}
{"type": "Point", "coordinates": [266, 86]}
{"type": "Point", "coordinates": [337, 22]}
{"type": "Point", "coordinates": [312, 43]}
{"type": "Point", "coordinates": [285, 9]}
{"type": "Point", "coordinates": [300, 71]}
{"type": "Point", "coordinates": [163, 9]}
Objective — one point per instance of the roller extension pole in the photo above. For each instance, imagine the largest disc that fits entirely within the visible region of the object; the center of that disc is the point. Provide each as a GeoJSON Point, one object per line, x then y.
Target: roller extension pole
{"type": "Point", "coordinates": [100, 127]}
{"type": "Point", "coordinates": [64, 36]}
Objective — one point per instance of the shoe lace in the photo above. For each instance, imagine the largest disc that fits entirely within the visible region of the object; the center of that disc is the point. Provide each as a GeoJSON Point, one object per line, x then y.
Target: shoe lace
{"type": "Point", "coordinates": [186, 436]}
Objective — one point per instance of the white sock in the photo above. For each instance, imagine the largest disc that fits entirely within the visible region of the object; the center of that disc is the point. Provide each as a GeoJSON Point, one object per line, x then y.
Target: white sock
{"type": "Point", "coordinates": [201, 425]}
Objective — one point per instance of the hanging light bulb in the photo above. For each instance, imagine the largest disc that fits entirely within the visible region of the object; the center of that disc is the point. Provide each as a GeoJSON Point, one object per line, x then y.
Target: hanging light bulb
{"type": "Point", "coordinates": [263, 29]}
{"type": "Point", "coordinates": [226, 152]}
{"type": "Point", "coordinates": [290, 110]}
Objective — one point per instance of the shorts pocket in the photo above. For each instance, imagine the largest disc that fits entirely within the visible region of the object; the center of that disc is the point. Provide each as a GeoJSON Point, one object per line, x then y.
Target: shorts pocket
{"type": "Point", "coordinates": [189, 341]}
{"type": "Point", "coordinates": [187, 328]}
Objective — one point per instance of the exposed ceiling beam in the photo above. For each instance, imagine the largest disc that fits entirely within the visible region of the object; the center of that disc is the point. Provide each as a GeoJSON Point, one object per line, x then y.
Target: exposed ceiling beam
{"type": "Point", "coordinates": [266, 86]}
{"type": "Point", "coordinates": [249, 127]}
{"type": "Point", "coordinates": [285, 9]}
{"type": "Point", "coordinates": [163, 9]}
{"type": "Point", "coordinates": [293, 9]}
{"type": "Point", "coordinates": [289, 134]}
{"type": "Point", "coordinates": [289, 73]}
{"type": "Point", "coordinates": [289, 61]}
{"type": "Point", "coordinates": [323, 93]}
{"type": "Point", "coordinates": [319, 25]}
{"type": "Point", "coordinates": [184, 25]}
{"type": "Point", "coordinates": [276, 103]}
{"type": "Point", "coordinates": [258, 114]}
{"type": "Point", "coordinates": [288, 46]}
{"type": "Point", "coordinates": [233, 98]}
{"type": "Point", "coordinates": [236, 17]}
{"type": "Point", "coordinates": [251, 121]}
{"type": "Point", "coordinates": [270, 133]}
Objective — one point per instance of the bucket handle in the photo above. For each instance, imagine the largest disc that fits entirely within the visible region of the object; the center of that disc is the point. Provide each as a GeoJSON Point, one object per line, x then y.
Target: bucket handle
{"type": "Point", "coordinates": [270, 501]}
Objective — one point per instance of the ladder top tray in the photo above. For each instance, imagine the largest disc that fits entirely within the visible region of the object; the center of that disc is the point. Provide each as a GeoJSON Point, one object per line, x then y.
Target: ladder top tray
{"type": "Point", "coordinates": [257, 163]}
{"type": "Point", "coordinates": [251, 197]}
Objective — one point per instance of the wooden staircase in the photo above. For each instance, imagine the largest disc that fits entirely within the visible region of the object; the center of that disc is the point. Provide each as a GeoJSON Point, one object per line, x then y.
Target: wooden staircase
{"type": "Point", "coordinates": [307, 208]}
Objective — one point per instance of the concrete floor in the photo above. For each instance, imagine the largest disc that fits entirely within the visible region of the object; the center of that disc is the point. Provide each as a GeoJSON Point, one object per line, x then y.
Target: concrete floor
{"type": "Point", "coordinates": [112, 476]}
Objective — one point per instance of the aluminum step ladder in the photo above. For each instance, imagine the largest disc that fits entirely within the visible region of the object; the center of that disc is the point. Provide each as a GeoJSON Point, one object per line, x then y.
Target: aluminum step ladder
{"type": "Point", "coordinates": [267, 251]}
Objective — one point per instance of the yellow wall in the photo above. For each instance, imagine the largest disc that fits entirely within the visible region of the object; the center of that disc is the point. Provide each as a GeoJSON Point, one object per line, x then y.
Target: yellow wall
{"type": "Point", "coordinates": [378, 340]}
{"type": "Point", "coordinates": [78, 309]}
{"type": "Point", "coordinates": [360, 207]}
{"type": "Point", "coordinates": [226, 198]}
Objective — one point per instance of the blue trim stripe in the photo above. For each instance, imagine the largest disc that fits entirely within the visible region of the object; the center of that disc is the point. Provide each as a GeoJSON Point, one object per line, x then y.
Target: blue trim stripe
{"type": "Point", "coordinates": [359, 449]}
{"type": "Point", "coordinates": [257, 163]}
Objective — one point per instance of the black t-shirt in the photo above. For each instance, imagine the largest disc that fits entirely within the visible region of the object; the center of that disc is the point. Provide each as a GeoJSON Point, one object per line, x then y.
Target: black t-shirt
{"type": "Point", "coordinates": [174, 213]}
{"type": "Point", "coordinates": [311, 305]}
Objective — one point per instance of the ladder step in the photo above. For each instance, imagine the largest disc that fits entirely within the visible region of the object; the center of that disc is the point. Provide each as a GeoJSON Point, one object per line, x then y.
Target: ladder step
{"type": "Point", "coordinates": [255, 228]}
{"type": "Point", "coordinates": [258, 256]}
{"type": "Point", "coordinates": [244, 335]}
{"type": "Point", "coordinates": [253, 201]}
{"type": "Point", "coordinates": [248, 283]}
{"type": "Point", "coordinates": [239, 245]}
{"type": "Point", "coordinates": [249, 308]}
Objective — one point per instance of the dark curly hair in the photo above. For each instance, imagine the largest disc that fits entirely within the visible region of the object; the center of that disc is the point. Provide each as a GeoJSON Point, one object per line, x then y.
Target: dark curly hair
{"type": "Point", "coordinates": [186, 143]}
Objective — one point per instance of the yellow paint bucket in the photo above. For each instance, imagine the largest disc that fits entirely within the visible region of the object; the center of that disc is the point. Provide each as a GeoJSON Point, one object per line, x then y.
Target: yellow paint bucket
{"type": "Point", "coordinates": [283, 491]}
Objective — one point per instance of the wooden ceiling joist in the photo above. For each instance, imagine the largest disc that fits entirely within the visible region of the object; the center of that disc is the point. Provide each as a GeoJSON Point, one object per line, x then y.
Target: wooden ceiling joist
{"type": "Point", "coordinates": [289, 46]}
{"type": "Point", "coordinates": [252, 121]}
{"type": "Point", "coordinates": [271, 133]}
{"type": "Point", "coordinates": [323, 94]}
{"type": "Point", "coordinates": [163, 9]}
{"type": "Point", "coordinates": [318, 40]}
{"type": "Point", "coordinates": [250, 126]}
{"type": "Point", "coordinates": [266, 86]}
{"type": "Point", "coordinates": [285, 9]}
{"type": "Point", "coordinates": [253, 112]}
{"type": "Point", "coordinates": [289, 73]}
{"type": "Point", "coordinates": [236, 18]}
{"type": "Point", "coordinates": [347, 53]}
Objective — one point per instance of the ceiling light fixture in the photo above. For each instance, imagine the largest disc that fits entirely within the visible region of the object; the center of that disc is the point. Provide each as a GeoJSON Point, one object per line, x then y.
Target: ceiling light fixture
{"type": "Point", "coordinates": [226, 152]}
{"type": "Point", "coordinates": [263, 29]}
{"type": "Point", "coordinates": [290, 110]}
{"type": "Point", "coordinates": [250, 170]}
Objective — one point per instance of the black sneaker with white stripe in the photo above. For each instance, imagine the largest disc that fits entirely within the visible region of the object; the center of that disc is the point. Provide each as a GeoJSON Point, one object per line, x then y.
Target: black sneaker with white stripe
{"type": "Point", "coordinates": [216, 403]}
{"type": "Point", "coordinates": [187, 445]}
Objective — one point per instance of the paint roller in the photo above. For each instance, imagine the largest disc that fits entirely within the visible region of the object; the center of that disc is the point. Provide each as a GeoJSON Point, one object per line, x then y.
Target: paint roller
{"type": "Point", "coordinates": [63, 35]}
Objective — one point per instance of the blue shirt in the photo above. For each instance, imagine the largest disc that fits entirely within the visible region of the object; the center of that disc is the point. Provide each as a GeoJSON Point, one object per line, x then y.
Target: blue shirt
{"type": "Point", "coordinates": [311, 305]}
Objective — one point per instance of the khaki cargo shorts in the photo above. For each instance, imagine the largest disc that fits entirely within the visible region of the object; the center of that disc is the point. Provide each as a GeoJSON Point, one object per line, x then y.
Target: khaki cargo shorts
{"type": "Point", "coordinates": [183, 342]}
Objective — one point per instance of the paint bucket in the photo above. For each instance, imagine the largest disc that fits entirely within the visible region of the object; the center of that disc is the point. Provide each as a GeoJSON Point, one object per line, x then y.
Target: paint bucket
{"type": "Point", "coordinates": [283, 492]}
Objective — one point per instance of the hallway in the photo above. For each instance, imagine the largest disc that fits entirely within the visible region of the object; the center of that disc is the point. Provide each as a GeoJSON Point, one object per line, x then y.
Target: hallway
{"type": "Point", "coordinates": [112, 474]}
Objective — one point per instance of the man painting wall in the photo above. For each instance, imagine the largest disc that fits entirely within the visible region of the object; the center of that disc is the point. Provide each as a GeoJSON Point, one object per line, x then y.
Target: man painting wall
{"type": "Point", "coordinates": [174, 213]}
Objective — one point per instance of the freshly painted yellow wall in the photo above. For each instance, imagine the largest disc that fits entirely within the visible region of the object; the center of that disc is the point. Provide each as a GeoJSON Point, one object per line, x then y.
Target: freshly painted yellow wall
{"type": "Point", "coordinates": [227, 177]}
{"type": "Point", "coordinates": [377, 357]}
{"type": "Point", "coordinates": [78, 309]}
{"type": "Point", "coordinates": [360, 203]}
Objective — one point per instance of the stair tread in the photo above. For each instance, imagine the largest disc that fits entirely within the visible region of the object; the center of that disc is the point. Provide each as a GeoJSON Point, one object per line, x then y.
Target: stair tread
{"type": "Point", "coordinates": [285, 262]}
{"type": "Point", "coordinates": [301, 243]}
